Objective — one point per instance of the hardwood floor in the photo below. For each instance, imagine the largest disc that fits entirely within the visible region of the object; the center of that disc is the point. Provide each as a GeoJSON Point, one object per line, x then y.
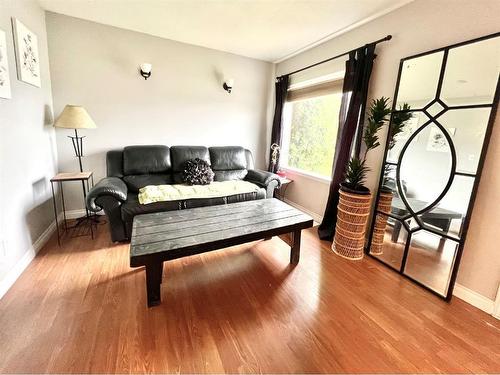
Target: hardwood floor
{"type": "Point", "coordinates": [81, 308]}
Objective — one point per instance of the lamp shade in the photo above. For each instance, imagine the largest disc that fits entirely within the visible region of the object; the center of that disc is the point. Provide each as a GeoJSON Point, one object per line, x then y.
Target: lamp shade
{"type": "Point", "coordinates": [75, 117]}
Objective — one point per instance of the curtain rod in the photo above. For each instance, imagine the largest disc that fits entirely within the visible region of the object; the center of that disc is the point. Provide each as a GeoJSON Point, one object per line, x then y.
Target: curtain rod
{"type": "Point", "coordinates": [388, 37]}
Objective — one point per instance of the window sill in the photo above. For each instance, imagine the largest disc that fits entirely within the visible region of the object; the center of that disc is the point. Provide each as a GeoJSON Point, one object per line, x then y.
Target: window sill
{"type": "Point", "coordinates": [308, 175]}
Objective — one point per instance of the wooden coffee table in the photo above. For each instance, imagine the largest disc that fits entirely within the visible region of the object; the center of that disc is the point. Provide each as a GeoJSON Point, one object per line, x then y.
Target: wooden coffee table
{"type": "Point", "coordinates": [164, 236]}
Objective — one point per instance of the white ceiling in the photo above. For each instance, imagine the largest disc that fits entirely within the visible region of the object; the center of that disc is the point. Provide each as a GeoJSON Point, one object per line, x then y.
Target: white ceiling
{"type": "Point", "coordinates": [268, 30]}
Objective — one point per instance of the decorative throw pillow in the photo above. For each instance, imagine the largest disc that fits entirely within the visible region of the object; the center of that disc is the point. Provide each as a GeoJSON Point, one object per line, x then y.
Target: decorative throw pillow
{"type": "Point", "coordinates": [197, 172]}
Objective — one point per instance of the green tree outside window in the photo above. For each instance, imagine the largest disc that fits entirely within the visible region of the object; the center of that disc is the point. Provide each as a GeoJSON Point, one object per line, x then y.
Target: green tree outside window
{"type": "Point", "coordinates": [313, 132]}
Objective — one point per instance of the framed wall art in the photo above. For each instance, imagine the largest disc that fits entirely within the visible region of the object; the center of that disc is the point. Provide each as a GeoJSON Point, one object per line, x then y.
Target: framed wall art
{"type": "Point", "coordinates": [27, 58]}
{"type": "Point", "coordinates": [5, 91]}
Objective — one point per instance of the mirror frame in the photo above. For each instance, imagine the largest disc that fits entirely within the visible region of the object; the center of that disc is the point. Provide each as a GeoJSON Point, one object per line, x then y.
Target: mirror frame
{"type": "Point", "coordinates": [477, 176]}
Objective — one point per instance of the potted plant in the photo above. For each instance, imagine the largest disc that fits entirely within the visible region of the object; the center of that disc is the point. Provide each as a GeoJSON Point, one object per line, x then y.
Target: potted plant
{"type": "Point", "coordinates": [355, 198]}
{"type": "Point", "coordinates": [398, 121]}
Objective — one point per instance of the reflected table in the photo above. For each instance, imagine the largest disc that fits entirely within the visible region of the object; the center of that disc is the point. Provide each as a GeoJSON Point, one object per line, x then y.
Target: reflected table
{"type": "Point", "coordinates": [438, 217]}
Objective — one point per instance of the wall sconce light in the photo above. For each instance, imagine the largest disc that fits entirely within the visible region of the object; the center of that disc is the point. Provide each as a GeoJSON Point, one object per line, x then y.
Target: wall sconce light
{"type": "Point", "coordinates": [146, 70]}
{"type": "Point", "coordinates": [228, 85]}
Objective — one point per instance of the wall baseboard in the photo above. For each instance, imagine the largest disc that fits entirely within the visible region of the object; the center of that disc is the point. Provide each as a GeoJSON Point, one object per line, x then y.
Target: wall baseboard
{"type": "Point", "coordinates": [317, 218]}
{"type": "Point", "coordinates": [26, 259]}
{"type": "Point", "coordinates": [475, 299]}
{"type": "Point", "coordinates": [496, 308]}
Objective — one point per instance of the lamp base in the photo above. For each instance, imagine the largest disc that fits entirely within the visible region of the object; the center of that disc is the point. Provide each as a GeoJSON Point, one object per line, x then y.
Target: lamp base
{"type": "Point", "coordinates": [91, 218]}
{"type": "Point", "coordinates": [83, 226]}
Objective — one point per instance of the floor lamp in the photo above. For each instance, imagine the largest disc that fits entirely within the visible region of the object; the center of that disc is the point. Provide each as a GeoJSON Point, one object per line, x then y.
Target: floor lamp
{"type": "Point", "coordinates": [76, 117]}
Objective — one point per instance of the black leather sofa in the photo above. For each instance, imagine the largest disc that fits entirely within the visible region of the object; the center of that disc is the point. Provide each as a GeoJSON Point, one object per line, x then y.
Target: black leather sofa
{"type": "Point", "coordinates": [137, 166]}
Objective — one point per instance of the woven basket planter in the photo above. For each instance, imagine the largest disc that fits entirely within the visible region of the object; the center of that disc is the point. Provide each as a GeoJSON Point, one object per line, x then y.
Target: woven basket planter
{"type": "Point", "coordinates": [352, 216]}
{"type": "Point", "coordinates": [384, 205]}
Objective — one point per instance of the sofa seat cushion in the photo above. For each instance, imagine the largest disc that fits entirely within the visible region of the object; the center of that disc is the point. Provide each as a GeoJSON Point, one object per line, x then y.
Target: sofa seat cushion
{"type": "Point", "coordinates": [159, 193]}
{"type": "Point", "coordinates": [132, 207]}
{"type": "Point", "coordinates": [136, 182]}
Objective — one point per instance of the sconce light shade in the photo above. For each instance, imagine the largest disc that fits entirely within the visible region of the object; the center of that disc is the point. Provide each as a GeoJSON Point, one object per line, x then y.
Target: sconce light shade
{"type": "Point", "coordinates": [146, 70]}
{"type": "Point", "coordinates": [228, 85]}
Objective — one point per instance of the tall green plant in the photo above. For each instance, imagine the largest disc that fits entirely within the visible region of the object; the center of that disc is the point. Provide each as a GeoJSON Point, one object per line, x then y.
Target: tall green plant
{"type": "Point", "coordinates": [378, 116]}
{"type": "Point", "coordinates": [398, 122]}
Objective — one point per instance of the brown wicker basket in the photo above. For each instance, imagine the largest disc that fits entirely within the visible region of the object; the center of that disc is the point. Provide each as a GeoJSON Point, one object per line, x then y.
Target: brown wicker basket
{"type": "Point", "coordinates": [352, 216]}
{"type": "Point", "coordinates": [384, 205]}
{"type": "Point", "coordinates": [352, 228]}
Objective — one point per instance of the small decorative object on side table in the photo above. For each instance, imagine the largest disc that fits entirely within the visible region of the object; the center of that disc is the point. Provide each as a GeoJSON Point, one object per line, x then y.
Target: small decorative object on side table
{"type": "Point", "coordinates": [275, 152]}
{"type": "Point", "coordinates": [87, 178]}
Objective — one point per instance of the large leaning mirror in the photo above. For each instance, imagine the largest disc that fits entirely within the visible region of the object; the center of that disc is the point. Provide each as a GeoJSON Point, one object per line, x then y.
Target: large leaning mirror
{"type": "Point", "coordinates": [431, 172]}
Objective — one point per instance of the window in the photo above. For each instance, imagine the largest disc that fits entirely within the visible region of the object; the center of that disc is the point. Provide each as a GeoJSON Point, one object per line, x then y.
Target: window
{"type": "Point", "coordinates": [310, 124]}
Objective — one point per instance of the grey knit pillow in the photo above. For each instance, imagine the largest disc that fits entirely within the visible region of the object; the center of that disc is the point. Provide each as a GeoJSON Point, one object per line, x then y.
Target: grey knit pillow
{"type": "Point", "coordinates": [197, 172]}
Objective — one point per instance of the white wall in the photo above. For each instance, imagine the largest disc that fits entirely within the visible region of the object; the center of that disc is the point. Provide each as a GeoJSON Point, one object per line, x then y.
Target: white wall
{"type": "Point", "coordinates": [27, 148]}
{"type": "Point", "coordinates": [421, 26]}
{"type": "Point", "coordinates": [182, 103]}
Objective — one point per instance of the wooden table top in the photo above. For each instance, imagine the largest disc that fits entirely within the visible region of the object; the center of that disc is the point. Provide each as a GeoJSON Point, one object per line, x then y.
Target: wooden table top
{"type": "Point", "coordinates": [172, 231]}
{"type": "Point", "coordinates": [71, 176]}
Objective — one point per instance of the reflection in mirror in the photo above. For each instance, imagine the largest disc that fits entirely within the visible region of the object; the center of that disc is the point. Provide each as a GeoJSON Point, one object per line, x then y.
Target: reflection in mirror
{"type": "Point", "coordinates": [425, 167]}
{"type": "Point", "coordinates": [411, 126]}
{"type": "Point", "coordinates": [467, 128]}
{"type": "Point", "coordinates": [430, 260]}
{"type": "Point", "coordinates": [471, 73]}
{"type": "Point", "coordinates": [449, 214]}
{"type": "Point", "coordinates": [412, 224]}
{"type": "Point", "coordinates": [389, 245]}
{"type": "Point", "coordinates": [435, 109]}
{"type": "Point", "coordinates": [419, 80]}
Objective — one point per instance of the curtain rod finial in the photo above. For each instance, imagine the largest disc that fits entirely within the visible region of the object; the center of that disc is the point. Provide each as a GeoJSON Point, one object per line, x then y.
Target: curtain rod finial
{"type": "Point", "coordinates": [388, 37]}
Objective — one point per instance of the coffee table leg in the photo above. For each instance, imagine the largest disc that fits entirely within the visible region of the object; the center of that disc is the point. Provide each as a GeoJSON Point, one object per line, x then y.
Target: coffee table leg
{"type": "Point", "coordinates": [295, 252]}
{"type": "Point", "coordinates": [154, 272]}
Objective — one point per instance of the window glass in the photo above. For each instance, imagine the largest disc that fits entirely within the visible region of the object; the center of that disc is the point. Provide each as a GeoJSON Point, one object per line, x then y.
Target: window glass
{"type": "Point", "coordinates": [310, 132]}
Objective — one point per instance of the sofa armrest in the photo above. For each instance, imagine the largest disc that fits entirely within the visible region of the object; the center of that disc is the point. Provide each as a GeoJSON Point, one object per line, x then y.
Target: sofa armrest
{"type": "Point", "coordinates": [109, 186]}
{"type": "Point", "coordinates": [269, 181]}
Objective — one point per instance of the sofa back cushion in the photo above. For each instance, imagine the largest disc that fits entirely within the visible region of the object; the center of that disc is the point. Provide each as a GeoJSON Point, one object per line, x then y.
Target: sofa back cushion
{"type": "Point", "coordinates": [249, 157]}
{"type": "Point", "coordinates": [146, 165]}
{"type": "Point", "coordinates": [228, 163]}
{"type": "Point", "coordinates": [181, 154]}
{"type": "Point", "coordinates": [146, 159]}
{"type": "Point", "coordinates": [114, 163]}
{"type": "Point", "coordinates": [140, 166]}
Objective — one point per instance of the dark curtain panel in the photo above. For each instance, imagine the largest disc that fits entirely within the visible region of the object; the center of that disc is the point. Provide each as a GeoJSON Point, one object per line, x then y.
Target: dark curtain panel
{"type": "Point", "coordinates": [354, 94]}
{"type": "Point", "coordinates": [277, 132]}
